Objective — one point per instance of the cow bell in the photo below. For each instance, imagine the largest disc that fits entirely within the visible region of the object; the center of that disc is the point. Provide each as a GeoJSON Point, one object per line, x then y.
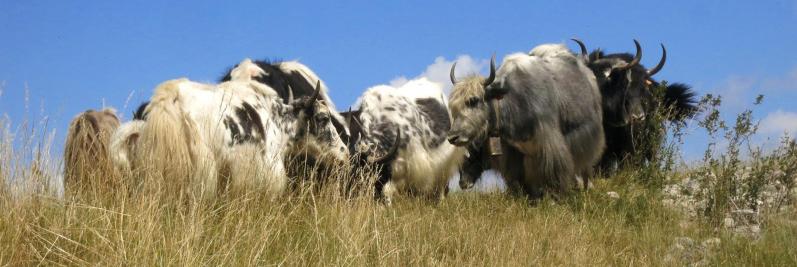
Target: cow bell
{"type": "Point", "coordinates": [495, 147]}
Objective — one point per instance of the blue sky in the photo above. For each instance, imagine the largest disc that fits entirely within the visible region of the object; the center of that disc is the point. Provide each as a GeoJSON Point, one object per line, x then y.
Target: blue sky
{"type": "Point", "coordinates": [75, 56]}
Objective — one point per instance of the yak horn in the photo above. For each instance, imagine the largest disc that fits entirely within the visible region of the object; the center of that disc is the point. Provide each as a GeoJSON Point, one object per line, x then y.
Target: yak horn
{"type": "Point", "coordinates": [453, 77]}
{"type": "Point", "coordinates": [308, 102]}
{"type": "Point", "coordinates": [390, 154]}
{"type": "Point", "coordinates": [351, 120]}
{"type": "Point", "coordinates": [658, 67]}
{"type": "Point", "coordinates": [636, 59]}
{"type": "Point", "coordinates": [290, 93]}
{"type": "Point", "coordinates": [317, 92]}
{"type": "Point", "coordinates": [490, 78]}
{"type": "Point", "coordinates": [583, 47]}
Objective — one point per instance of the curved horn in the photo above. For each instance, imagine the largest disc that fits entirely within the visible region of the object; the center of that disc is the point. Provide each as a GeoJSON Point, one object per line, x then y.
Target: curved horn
{"type": "Point", "coordinates": [658, 67]}
{"type": "Point", "coordinates": [317, 92]}
{"type": "Point", "coordinates": [351, 120]}
{"type": "Point", "coordinates": [308, 102]}
{"type": "Point", "coordinates": [636, 59]}
{"type": "Point", "coordinates": [490, 78]}
{"type": "Point", "coordinates": [453, 77]}
{"type": "Point", "coordinates": [391, 153]}
{"type": "Point", "coordinates": [583, 47]}
{"type": "Point", "coordinates": [290, 93]}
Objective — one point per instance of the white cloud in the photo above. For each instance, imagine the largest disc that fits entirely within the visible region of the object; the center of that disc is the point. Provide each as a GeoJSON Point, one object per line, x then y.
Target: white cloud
{"type": "Point", "coordinates": [735, 91]}
{"type": "Point", "coordinates": [786, 83]}
{"type": "Point", "coordinates": [739, 91]}
{"type": "Point", "coordinates": [779, 122]}
{"type": "Point", "coordinates": [438, 71]}
{"type": "Point", "coordinates": [490, 182]}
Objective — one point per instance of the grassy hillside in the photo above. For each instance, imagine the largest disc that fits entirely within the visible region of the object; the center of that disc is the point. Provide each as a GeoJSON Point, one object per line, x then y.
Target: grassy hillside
{"type": "Point", "coordinates": [587, 228]}
{"type": "Point", "coordinates": [727, 210]}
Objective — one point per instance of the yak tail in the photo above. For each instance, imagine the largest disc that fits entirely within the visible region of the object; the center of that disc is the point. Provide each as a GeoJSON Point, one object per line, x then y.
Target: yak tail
{"type": "Point", "coordinates": [680, 99]}
{"type": "Point", "coordinates": [164, 155]}
{"type": "Point", "coordinates": [86, 163]}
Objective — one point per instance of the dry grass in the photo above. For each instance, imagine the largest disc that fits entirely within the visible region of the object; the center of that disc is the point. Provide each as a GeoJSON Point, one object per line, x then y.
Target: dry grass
{"type": "Point", "coordinates": [311, 227]}
{"type": "Point", "coordinates": [470, 229]}
{"type": "Point", "coordinates": [315, 225]}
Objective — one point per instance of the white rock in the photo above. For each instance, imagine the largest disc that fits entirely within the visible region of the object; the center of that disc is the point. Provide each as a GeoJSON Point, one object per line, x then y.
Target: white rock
{"type": "Point", "coordinates": [746, 216]}
{"type": "Point", "coordinates": [712, 243]}
{"type": "Point", "coordinates": [613, 194]}
{"type": "Point", "coordinates": [729, 222]}
{"type": "Point", "coordinates": [684, 242]}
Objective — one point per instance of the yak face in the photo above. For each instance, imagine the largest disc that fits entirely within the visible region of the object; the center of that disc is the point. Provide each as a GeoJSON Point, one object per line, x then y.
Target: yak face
{"type": "Point", "coordinates": [624, 84]}
{"type": "Point", "coordinates": [625, 93]}
{"type": "Point", "coordinates": [476, 162]}
{"type": "Point", "coordinates": [291, 80]}
{"type": "Point", "coordinates": [469, 112]}
{"type": "Point", "coordinates": [316, 134]}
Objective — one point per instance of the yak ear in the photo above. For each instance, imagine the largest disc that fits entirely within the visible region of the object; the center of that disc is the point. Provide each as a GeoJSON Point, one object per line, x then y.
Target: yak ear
{"type": "Point", "coordinates": [595, 55]}
{"type": "Point", "coordinates": [495, 90]}
{"type": "Point", "coordinates": [607, 72]}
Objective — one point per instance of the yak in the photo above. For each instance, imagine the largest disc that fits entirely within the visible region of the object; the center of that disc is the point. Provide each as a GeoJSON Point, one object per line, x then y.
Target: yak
{"type": "Point", "coordinates": [546, 109]}
{"type": "Point", "coordinates": [407, 126]}
{"type": "Point", "coordinates": [86, 163]}
{"type": "Point", "coordinates": [627, 101]}
{"type": "Point", "coordinates": [234, 134]}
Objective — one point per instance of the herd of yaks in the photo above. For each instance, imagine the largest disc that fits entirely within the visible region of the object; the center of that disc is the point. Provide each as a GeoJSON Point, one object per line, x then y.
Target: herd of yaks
{"type": "Point", "coordinates": [545, 120]}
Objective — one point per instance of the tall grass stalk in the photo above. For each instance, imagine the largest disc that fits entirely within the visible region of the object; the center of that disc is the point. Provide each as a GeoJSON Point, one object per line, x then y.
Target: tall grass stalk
{"type": "Point", "coordinates": [329, 216]}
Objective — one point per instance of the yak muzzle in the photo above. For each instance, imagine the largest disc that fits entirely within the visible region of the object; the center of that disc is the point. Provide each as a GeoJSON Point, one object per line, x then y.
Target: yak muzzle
{"type": "Point", "coordinates": [465, 184]}
{"type": "Point", "coordinates": [458, 140]}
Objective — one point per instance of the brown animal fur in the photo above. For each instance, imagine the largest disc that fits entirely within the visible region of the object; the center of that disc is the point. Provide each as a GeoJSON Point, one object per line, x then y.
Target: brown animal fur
{"type": "Point", "coordinates": [86, 162]}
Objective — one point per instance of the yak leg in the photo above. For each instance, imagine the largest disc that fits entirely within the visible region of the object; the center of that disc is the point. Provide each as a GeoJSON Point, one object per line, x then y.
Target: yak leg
{"type": "Point", "coordinates": [548, 161]}
{"type": "Point", "coordinates": [586, 175]}
{"type": "Point", "coordinates": [587, 143]}
{"type": "Point", "coordinates": [511, 168]}
{"type": "Point", "coordinates": [440, 190]}
{"type": "Point", "coordinates": [533, 180]}
{"type": "Point", "coordinates": [384, 188]}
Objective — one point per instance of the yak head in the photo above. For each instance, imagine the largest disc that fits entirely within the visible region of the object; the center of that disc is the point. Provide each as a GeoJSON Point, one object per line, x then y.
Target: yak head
{"type": "Point", "coordinates": [625, 85]}
{"type": "Point", "coordinates": [316, 134]}
{"type": "Point", "coordinates": [470, 111]}
{"type": "Point", "coordinates": [476, 162]}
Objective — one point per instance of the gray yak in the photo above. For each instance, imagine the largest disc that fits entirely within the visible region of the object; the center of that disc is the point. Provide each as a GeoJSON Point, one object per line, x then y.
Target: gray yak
{"type": "Point", "coordinates": [548, 118]}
